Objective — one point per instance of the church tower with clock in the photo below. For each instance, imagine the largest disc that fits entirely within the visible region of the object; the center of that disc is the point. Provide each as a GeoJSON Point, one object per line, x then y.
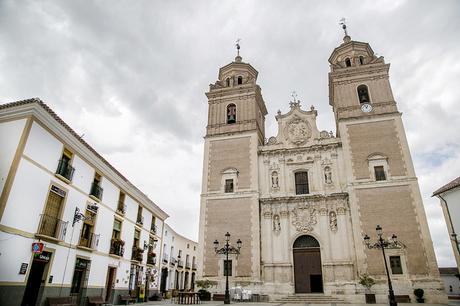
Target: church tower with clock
{"type": "Point", "coordinates": [302, 201]}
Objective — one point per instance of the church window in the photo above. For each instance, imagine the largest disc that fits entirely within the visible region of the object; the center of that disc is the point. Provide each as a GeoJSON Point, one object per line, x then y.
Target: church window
{"type": "Point", "coordinates": [231, 113]}
{"type": "Point", "coordinates": [228, 267]}
{"type": "Point", "coordinates": [363, 94]}
{"type": "Point", "coordinates": [348, 62]}
{"type": "Point", "coordinates": [379, 173]}
{"type": "Point", "coordinates": [301, 183]}
{"type": "Point", "coordinates": [228, 82]}
{"type": "Point", "coordinates": [228, 186]}
{"type": "Point", "coordinates": [361, 60]}
{"type": "Point", "coordinates": [240, 80]}
{"type": "Point", "coordinates": [395, 264]}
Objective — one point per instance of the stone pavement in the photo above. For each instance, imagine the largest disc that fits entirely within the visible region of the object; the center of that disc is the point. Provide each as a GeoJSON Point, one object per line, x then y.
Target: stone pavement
{"type": "Point", "coordinates": [220, 303]}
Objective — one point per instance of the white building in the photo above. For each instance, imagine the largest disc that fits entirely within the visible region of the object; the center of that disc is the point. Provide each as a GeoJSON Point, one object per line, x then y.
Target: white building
{"type": "Point", "coordinates": [179, 261]}
{"type": "Point", "coordinates": [449, 195]}
{"type": "Point", "coordinates": [101, 235]}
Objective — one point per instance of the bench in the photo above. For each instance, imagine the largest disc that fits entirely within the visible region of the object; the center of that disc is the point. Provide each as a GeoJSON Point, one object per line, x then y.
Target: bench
{"type": "Point", "coordinates": [402, 298]}
{"type": "Point", "coordinates": [127, 298]}
{"type": "Point", "coordinates": [96, 300]}
{"type": "Point", "coordinates": [218, 297]}
{"type": "Point", "coordinates": [61, 301]}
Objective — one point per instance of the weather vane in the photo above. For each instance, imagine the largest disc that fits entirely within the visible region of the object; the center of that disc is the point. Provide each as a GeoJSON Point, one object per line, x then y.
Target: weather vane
{"type": "Point", "coordinates": [344, 26]}
{"type": "Point", "coordinates": [238, 45]}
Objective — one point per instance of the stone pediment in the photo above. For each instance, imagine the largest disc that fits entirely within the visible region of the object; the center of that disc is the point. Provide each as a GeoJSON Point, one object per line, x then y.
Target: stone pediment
{"type": "Point", "coordinates": [296, 128]}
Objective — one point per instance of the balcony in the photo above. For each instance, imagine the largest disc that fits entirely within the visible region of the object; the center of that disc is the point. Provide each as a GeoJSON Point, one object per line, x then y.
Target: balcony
{"type": "Point", "coordinates": [137, 254]}
{"type": "Point", "coordinates": [153, 229]}
{"type": "Point", "coordinates": [90, 242]}
{"type": "Point", "coordinates": [165, 257]}
{"type": "Point", "coordinates": [121, 208]}
{"type": "Point", "coordinates": [180, 263]}
{"type": "Point", "coordinates": [140, 220]}
{"type": "Point", "coordinates": [65, 170]}
{"type": "Point", "coordinates": [96, 191]}
{"type": "Point", "coordinates": [172, 261]}
{"type": "Point", "coordinates": [187, 265]}
{"type": "Point", "coordinates": [194, 266]}
{"type": "Point", "coordinates": [151, 258]}
{"type": "Point", "coordinates": [51, 227]}
{"type": "Point", "coordinates": [117, 247]}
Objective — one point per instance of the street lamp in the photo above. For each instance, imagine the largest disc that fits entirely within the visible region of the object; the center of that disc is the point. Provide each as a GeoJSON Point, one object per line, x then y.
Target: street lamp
{"type": "Point", "coordinates": [225, 250]}
{"type": "Point", "coordinates": [383, 244]}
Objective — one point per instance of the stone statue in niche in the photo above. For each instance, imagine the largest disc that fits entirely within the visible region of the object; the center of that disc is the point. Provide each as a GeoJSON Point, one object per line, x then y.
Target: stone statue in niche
{"type": "Point", "coordinates": [276, 223]}
{"type": "Point", "coordinates": [333, 221]}
{"type": "Point", "coordinates": [275, 182]}
{"type": "Point", "coordinates": [327, 175]}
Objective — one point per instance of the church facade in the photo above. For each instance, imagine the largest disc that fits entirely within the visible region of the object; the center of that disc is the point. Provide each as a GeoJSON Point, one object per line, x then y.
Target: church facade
{"type": "Point", "coordinates": [303, 200]}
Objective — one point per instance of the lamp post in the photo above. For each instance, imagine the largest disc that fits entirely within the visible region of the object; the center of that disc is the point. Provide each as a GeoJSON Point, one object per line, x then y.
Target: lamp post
{"type": "Point", "coordinates": [225, 250]}
{"type": "Point", "coordinates": [383, 244]}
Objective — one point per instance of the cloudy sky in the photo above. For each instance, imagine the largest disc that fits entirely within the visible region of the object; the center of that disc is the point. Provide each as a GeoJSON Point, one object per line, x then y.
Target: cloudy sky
{"type": "Point", "coordinates": [131, 77]}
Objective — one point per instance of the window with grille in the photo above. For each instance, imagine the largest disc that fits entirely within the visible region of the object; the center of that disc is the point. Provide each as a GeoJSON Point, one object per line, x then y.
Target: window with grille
{"type": "Point", "coordinates": [379, 173]}
{"type": "Point", "coordinates": [301, 183]}
{"type": "Point", "coordinates": [228, 186]}
{"type": "Point", "coordinates": [395, 264]}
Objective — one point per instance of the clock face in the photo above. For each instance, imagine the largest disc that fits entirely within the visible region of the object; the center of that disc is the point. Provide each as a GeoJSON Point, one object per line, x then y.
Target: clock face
{"type": "Point", "coordinates": [366, 107]}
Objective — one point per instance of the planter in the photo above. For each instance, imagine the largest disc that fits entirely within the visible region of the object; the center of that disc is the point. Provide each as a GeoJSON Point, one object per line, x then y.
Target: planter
{"type": "Point", "coordinates": [370, 298]}
{"type": "Point", "coordinates": [420, 300]}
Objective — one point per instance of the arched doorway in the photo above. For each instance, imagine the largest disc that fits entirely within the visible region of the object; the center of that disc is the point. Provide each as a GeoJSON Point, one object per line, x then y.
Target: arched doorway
{"type": "Point", "coordinates": [307, 265]}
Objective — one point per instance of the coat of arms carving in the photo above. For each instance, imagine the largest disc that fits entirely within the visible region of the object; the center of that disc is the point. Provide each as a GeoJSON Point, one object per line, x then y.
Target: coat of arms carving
{"type": "Point", "coordinates": [304, 217]}
{"type": "Point", "coordinates": [298, 131]}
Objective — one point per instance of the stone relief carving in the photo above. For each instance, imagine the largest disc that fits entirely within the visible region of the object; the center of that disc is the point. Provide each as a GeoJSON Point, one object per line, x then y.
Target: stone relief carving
{"type": "Point", "coordinates": [327, 175]}
{"type": "Point", "coordinates": [298, 131]}
{"type": "Point", "coordinates": [341, 210]}
{"type": "Point", "coordinates": [304, 217]}
{"type": "Point", "coordinates": [266, 211]}
{"type": "Point", "coordinates": [333, 221]}
{"type": "Point", "coordinates": [276, 223]}
{"type": "Point", "coordinates": [272, 140]}
{"type": "Point", "coordinates": [275, 182]}
{"type": "Point", "coordinates": [324, 134]}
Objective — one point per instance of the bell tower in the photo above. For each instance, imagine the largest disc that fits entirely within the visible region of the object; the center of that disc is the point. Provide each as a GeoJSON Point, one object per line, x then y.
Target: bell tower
{"type": "Point", "coordinates": [230, 196]}
{"type": "Point", "coordinates": [381, 181]}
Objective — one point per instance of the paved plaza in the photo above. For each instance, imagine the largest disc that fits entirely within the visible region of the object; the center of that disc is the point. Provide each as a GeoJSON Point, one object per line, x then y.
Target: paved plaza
{"type": "Point", "coordinates": [218, 303]}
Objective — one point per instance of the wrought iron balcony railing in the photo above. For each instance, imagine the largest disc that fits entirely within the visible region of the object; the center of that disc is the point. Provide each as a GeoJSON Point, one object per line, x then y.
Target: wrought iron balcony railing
{"type": "Point", "coordinates": [172, 260]}
{"type": "Point", "coordinates": [52, 227]}
{"type": "Point", "coordinates": [165, 257]}
{"type": "Point", "coordinates": [117, 247]}
{"type": "Point", "coordinates": [64, 169]}
{"type": "Point", "coordinates": [140, 220]}
{"type": "Point", "coordinates": [121, 208]}
{"type": "Point", "coordinates": [151, 258]}
{"type": "Point", "coordinates": [137, 254]}
{"type": "Point", "coordinates": [90, 241]}
{"type": "Point", "coordinates": [96, 191]}
{"type": "Point", "coordinates": [187, 265]}
{"type": "Point", "coordinates": [180, 263]}
{"type": "Point", "coordinates": [194, 266]}
{"type": "Point", "coordinates": [153, 229]}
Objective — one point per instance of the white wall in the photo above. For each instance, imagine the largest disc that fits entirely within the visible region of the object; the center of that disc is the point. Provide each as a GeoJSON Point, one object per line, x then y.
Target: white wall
{"type": "Point", "coordinates": [10, 134]}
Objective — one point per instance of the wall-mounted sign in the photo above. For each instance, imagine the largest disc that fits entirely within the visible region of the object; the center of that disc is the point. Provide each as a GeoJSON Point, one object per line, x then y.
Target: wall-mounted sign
{"type": "Point", "coordinates": [23, 268]}
{"type": "Point", "coordinates": [58, 190]}
{"type": "Point", "coordinates": [44, 256]}
{"type": "Point", "coordinates": [37, 247]}
{"type": "Point", "coordinates": [92, 208]}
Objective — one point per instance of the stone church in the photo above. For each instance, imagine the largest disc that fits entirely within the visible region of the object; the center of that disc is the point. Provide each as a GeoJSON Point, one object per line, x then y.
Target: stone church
{"type": "Point", "coordinates": [302, 201]}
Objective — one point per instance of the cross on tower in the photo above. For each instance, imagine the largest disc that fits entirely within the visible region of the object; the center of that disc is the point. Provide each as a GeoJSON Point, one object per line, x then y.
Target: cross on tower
{"type": "Point", "coordinates": [344, 25]}
{"type": "Point", "coordinates": [238, 46]}
{"type": "Point", "coordinates": [294, 102]}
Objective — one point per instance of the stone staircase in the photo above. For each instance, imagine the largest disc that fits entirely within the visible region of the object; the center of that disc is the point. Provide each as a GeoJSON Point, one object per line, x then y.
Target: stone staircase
{"type": "Point", "coordinates": [312, 298]}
